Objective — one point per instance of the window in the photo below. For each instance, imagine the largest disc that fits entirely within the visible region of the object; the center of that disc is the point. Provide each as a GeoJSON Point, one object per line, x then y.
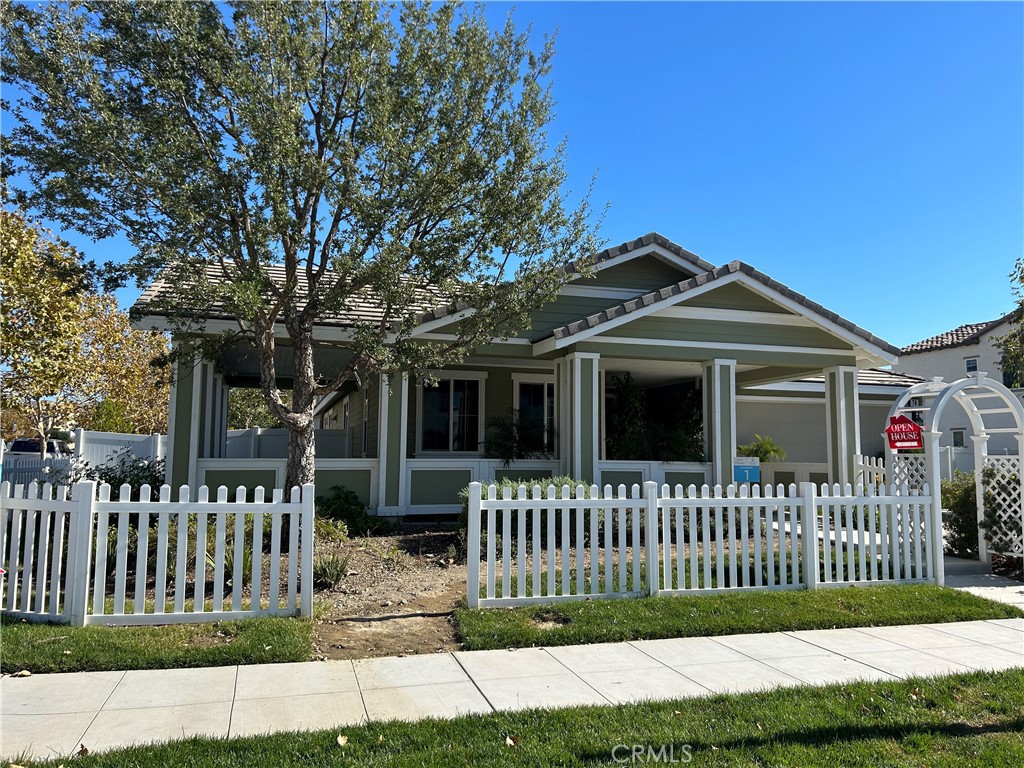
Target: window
{"type": "Point", "coordinates": [366, 419]}
{"type": "Point", "coordinates": [958, 438]}
{"type": "Point", "coordinates": [971, 364]}
{"type": "Point", "coordinates": [534, 399]}
{"type": "Point", "coordinates": [450, 415]}
{"type": "Point", "coordinates": [346, 410]}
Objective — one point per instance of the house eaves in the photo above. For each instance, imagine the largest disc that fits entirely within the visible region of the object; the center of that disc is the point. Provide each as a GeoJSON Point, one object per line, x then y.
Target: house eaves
{"type": "Point", "coordinates": [736, 271]}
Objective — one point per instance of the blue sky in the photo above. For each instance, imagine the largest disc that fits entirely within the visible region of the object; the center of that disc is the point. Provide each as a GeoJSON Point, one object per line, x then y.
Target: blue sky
{"type": "Point", "coordinates": [870, 156]}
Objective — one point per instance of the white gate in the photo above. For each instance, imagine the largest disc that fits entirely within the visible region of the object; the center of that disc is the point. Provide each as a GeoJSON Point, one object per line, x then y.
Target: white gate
{"type": "Point", "coordinates": [987, 404]}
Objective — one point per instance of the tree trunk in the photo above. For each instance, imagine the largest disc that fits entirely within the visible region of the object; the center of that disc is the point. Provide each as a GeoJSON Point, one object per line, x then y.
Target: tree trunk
{"type": "Point", "coordinates": [301, 456]}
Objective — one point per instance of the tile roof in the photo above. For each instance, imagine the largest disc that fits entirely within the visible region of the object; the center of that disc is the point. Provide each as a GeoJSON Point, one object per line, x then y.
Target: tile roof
{"type": "Point", "coordinates": [360, 308]}
{"type": "Point", "coordinates": [680, 288]}
{"type": "Point", "coordinates": [969, 333]}
{"type": "Point", "coordinates": [652, 238]}
{"type": "Point", "coordinates": [876, 377]}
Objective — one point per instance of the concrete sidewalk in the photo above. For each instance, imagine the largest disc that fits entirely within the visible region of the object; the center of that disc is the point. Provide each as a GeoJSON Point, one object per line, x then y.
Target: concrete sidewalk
{"type": "Point", "coordinates": [51, 715]}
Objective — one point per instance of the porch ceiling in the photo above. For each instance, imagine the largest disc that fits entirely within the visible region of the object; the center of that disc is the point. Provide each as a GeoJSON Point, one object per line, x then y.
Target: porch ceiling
{"type": "Point", "coordinates": [656, 373]}
{"type": "Point", "coordinates": [241, 364]}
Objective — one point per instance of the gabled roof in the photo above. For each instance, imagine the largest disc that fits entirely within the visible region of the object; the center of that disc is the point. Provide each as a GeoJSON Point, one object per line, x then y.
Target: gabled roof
{"type": "Point", "coordinates": [617, 252]}
{"type": "Point", "coordinates": [588, 326]}
{"type": "Point", "coordinates": [970, 333]}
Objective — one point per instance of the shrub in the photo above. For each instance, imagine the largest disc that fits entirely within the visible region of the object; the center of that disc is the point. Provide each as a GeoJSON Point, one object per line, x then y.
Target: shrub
{"type": "Point", "coordinates": [123, 467]}
{"type": "Point", "coordinates": [344, 505]}
{"type": "Point", "coordinates": [960, 515]}
{"type": "Point", "coordinates": [764, 448]}
{"type": "Point", "coordinates": [326, 529]}
{"type": "Point", "coordinates": [330, 570]}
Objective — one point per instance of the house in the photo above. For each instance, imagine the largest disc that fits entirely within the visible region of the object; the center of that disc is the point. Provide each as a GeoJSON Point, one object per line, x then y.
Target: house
{"type": "Point", "coordinates": [964, 351]}
{"type": "Point", "coordinates": [723, 349]}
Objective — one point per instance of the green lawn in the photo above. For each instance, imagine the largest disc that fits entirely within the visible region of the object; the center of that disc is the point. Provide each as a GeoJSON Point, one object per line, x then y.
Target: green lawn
{"type": "Point", "coordinates": [975, 719]}
{"type": "Point", "coordinates": [600, 621]}
{"type": "Point", "coordinates": [60, 648]}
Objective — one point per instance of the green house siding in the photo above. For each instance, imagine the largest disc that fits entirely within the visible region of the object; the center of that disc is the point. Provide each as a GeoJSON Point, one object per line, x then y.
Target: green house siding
{"type": "Point", "coordinates": [566, 309]}
{"type": "Point", "coordinates": [645, 273]}
{"type": "Point", "coordinates": [733, 296]}
{"type": "Point", "coordinates": [232, 478]}
{"type": "Point", "coordinates": [717, 331]}
{"type": "Point", "coordinates": [356, 480]}
{"type": "Point", "coordinates": [438, 486]}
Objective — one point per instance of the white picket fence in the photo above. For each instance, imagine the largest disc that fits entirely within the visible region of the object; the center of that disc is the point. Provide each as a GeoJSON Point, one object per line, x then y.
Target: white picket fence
{"type": "Point", "coordinates": [68, 557]}
{"type": "Point", "coordinates": [546, 546]}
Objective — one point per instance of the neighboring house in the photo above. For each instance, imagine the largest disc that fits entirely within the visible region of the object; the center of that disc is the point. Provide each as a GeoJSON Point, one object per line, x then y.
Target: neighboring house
{"type": "Point", "coordinates": [726, 339]}
{"type": "Point", "coordinates": [963, 351]}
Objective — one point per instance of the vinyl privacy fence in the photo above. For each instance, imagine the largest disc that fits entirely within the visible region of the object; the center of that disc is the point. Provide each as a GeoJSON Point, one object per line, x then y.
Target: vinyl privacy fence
{"type": "Point", "coordinates": [77, 557]}
{"type": "Point", "coordinates": [547, 545]}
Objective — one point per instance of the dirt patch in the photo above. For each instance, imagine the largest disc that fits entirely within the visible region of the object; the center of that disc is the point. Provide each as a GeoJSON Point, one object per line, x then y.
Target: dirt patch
{"type": "Point", "coordinates": [1008, 567]}
{"type": "Point", "coordinates": [398, 597]}
{"type": "Point", "coordinates": [549, 620]}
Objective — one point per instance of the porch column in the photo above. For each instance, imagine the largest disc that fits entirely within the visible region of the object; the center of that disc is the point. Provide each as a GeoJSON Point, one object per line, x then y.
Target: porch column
{"type": "Point", "coordinates": [842, 422]}
{"type": "Point", "coordinates": [577, 379]}
{"type": "Point", "coordinates": [394, 432]}
{"type": "Point", "coordinates": [719, 385]}
{"type": "Point", "coordinates": [980, 454]}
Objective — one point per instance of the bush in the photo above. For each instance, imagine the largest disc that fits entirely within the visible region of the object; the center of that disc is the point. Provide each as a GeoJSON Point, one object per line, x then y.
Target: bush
{"type": "Point", "coordinates": [123, 467]}
{"type": "Point", "coordinates": [344, 505]}
{"type": "Point", "coordinates": [329, 571]}
{"type": "Point", "coordinates": [960, 515]}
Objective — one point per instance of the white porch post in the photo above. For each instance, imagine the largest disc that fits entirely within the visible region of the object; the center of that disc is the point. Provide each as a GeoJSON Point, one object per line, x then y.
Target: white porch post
{"type": "Point", "coordinates": [563, 409]}
{"type": "Point", "coordinates": [934, 474]}
{"type": "Point", "coordinates": [394, 432]}
{"type": "Point", "coordinates": [720, 417]}
{"type": "Point", "coordinates": [842, 422]}
{"type": "Point", "coordinates": [584, 432]}
{"type": "Point", "coordinates": [980, 454]}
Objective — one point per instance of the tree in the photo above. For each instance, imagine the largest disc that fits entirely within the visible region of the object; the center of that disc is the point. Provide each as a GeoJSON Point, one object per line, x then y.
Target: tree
{"type": "Point", "coordinates": [41, 284]}
{"type": "Point", "coordinates": [247, 408]}
{"type": "Point", "coordinates": [69, 355]}
{"type": "Point", "coordinates": [1012, 344]}
{"type": "Point", "coordinates": [367, 153]}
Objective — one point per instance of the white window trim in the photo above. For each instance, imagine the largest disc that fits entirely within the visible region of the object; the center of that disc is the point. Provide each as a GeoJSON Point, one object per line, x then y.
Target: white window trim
{"type": "Point", "coordinates": [977, 364]}
{"type": "Point", "coordinates": [952, 441]}
{"type": "Point", "coordinates": [346, 412]}
{"type": "Point", "coordinates": [480, 376]}
{"type": "Point", "coordinates": [538, 378]}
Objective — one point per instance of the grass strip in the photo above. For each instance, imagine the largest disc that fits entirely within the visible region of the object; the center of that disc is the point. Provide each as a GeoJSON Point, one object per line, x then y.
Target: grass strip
{"type": "Point", "coordinates": [973, 719]}
{"type": "Point", "coordinates": [60, 648]}
{"type": "Point", "coordinates": [603, 621]}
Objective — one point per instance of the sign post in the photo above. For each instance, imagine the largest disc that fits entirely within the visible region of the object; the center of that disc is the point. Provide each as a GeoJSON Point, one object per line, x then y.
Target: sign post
{"type": "Point", "coordinates": [904, 434]}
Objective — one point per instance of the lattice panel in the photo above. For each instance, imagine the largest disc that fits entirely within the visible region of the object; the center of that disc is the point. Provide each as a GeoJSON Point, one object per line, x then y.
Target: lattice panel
{"type": "Point", "coordinates": [910, 470]}
{"type": "Point", "coordinates": [1003, 495]}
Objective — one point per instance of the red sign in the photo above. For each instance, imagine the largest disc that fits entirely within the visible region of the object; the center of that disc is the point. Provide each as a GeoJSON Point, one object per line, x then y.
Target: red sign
{"type": "Point", "coordinates": [904, 434]}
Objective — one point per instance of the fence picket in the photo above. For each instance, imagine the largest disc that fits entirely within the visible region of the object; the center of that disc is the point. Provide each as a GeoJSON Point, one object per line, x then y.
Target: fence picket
{"type": "Point", "coordinates": [566, 545]}
{"type": "Point", "coordinates": [794, 521]}
{"type": "Point", "coordinates": [637, 546]}
{"type": "Point", "coordinates": [551, 541]}
{"type": "Point", "coordinates": [536, 548]}
{"type": "Point", "coordinates": [622, 516]}
{"type": "Point", "coordinates": [13, 565]}
{"type": "Point", "coordinates": [491, 544]}
{"type": "Point", "coordinates": [705, 512]}
{"type": "Point", "coordinates": [142, 548]}
{"type": "Point", "coordinates": [580, 514]}
{"type": "Point", "coordinates": [521, 548]}
{"type": "Point", "coordinates": [274, 589]}
{"type": "Point", "coordinates": [256, 580]}
{"type": "Point", "coordinates": [506, 545]}
{"type": "Point", "coordinates": [57, 600]}
{"type": "Point", "coordinates": [100, 580]}
{"type": "Point", "coordinates": [691, 493]}
{"type": "Point", "coordinates": [219, 545]}
{"type": "Point", "coordinates": [238, 557]}
{"type": "Point", "coordinates": [758, 544]}
{"type": "Point", "coordinates": [293, 551]}
{"type": "Point", "coordinates": [6, 517]}
{"type": "Point", "coordinates": [42, 552]}
{"type": "Point", "coordinates": [199, 587]}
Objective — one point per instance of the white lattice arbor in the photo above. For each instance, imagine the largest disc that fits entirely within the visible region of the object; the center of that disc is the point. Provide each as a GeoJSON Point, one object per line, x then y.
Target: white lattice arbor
{"type": "Point", "coordinates": [991, 409]}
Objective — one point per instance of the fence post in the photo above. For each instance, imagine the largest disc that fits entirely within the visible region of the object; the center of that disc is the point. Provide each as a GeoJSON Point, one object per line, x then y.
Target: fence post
{"type": "Point", "coordinates": [473, 548]}
{"type": "Point", "coordinates": [79, 553]}
{"type": "Point", "coordinates": [79, 445]}
{"type": "Point", "coordinates": [652, 546]}
{"type": "Point", "coordinates": [809, 532]}
{"type": "Point", "coordinates": [306, 547]}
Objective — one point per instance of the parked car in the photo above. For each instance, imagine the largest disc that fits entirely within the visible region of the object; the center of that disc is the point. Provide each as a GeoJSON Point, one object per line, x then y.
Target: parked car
{"type": "Point", "coordinates": [29, 446]}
